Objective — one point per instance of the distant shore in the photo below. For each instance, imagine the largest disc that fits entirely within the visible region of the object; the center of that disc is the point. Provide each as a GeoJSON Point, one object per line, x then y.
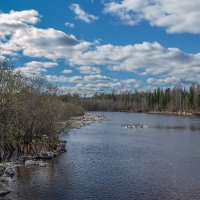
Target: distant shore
{"type": "Point", "coordinates": [178, 113]}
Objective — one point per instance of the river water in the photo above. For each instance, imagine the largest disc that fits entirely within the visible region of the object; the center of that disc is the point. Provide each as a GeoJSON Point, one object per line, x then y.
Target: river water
{"type": "Point", "coordinates": [107, 161]}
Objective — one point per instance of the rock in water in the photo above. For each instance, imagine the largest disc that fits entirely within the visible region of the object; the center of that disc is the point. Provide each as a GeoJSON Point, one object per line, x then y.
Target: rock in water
{"type": "Point", "coordinates": [29, 163]}
{"type": "Point", "coordinates": [136, 126]}
{"type": "Point", "coordinates": [46, 155]}
{"type": "Point", "coordinates": [40, 163]}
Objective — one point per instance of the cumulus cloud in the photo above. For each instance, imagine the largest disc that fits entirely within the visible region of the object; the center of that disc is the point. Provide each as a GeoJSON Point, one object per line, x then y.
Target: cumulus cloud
{"type": "Point", "coordinates": [75, 79]}
{"type": "Point", "coordinates": [145, 59]}
{"type": "Point", "coordinates": [35, 67]}
{"type": "Point", "coordinates": [64, 79]}
{"type": "Point", "coordinates": [48, 43]}
{"type": "Point", "coordinates": [69, 24]}
{"type": "Point", "coordinates": [82, 15]}
{"type": "Point", "coordinates": [89, 70]}
{"type": "Point", "coordinates": [67, 71]}
{"type": "Point", "coordinates": [163, 81]}
{"type": "Point", "coordinates": [93, 83]}
{"type": "Point", "coordinates": [32, 41]}
{"type": "Point", "coordinates": [10, 22]}
{"type": "Point", "coordinates": [152, 62]}
{"type": "Point", "coordinates": [175, 16]}
{"type": "Point", "coordinates": [33, 64]}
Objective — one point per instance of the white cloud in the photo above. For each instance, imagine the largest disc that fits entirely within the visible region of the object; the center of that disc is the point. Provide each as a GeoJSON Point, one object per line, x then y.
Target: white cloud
{"type": "Point", "coordinates": [163, 81]}
{"type": "Point", "coordinates": [97, 78]}
{"type": "Point", "coordinates": [146, 58]}
{"type": "Point", "coordinates": [67, 71]}
{"type": "Point", "coordinates": [89, 70]}
{"type": "Point", "coordinates": [131, 82]}
{"type": "Point", "coordinates": [33, 64]}
{"type": "Point", "coordinates": [69, 24]}
{"type": "Point", "coordinates": [91, 85]}
{"type": "Point", "coordinates": [64, 79]}
{"type": "Point", "coordinates": [10, 22]}
{"type": "Point", "coordinates": [35, 67]}
{"type": "Point", "coordinates": [150, 60]}
{"type": "Point", "coordinates": [81, 14]}
{"type": "Point", "coordinates": [175, 16]}
{"type": "Point", "coordinates": [75, 79]}
{"type": "Point", "coordinates": [48, 43]}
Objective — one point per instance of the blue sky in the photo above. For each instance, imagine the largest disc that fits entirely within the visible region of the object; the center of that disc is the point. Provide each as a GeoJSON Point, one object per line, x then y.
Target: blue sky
{"type": "Point", "coordinates": [90, 46]}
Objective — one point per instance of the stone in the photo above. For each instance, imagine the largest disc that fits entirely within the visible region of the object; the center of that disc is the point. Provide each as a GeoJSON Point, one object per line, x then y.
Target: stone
{"type": "Point", "coordinates": [61, 147]}
{"type": "Point", "coordinates": [29, 163]}
{"type": "Point", "coordinates": [46, 155]}
{"type": "Point", "coordinates": [9, 172]}
{"type": "Point", "coordinates": [40, 163]}
{"type": "Point", "coordinates": [87, 119]}
{"type": "Point", "coordinates": [136, 126]}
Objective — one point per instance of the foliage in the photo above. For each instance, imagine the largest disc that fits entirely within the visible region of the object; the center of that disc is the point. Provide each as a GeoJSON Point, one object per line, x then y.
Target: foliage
{"type": "Point", "coordinates": [30, 110]}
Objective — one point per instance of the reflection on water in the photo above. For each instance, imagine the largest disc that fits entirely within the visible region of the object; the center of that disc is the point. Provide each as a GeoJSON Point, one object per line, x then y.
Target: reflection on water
{"type": "Point", "coordinates": [107, 161]}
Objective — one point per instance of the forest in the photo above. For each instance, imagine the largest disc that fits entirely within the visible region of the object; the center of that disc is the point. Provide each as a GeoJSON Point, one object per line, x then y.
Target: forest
{"type": "Point", "coordinates": [31, 114]}
{"type": "Point", "coordinates": [171, 100]}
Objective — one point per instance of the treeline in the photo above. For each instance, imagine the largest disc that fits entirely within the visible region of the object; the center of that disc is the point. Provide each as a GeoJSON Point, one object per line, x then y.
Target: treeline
{"type": "Point", "coordinates": [31, 114]}
{"type": "Point", "coordinates": [177, 99]}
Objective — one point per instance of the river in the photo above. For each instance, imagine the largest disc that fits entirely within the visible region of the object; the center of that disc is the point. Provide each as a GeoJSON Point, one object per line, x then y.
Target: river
{"type": "Point", "coordinates": [107, 161]}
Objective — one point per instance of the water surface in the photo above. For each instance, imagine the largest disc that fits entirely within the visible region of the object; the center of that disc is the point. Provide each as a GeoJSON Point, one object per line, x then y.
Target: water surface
{"type": "Point", "coordinates": [107, 161]}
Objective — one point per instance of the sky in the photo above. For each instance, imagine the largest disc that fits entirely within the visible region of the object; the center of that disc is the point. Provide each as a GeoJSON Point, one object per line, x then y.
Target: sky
{"type": "Point", "coordinates": [91, 46]}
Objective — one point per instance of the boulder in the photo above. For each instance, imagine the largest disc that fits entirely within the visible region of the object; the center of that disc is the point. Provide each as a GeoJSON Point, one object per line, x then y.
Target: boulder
{"type": "Point", "coordinates": [30, 162]}
{"type": "Point", "coordinates": [9, 172]}
{"type": "Point", "coordinates": [40, 163]}
{"type": "Point", "coordinates": [136, 126]}
{"type": "Point", "coordinates": [61, 147]}
{"type": "Point", "coordinates": [46, 155]}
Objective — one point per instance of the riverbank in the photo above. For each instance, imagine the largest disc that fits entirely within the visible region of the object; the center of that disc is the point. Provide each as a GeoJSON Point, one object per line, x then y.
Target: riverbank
{"type": "Point", "coordinates": [178, 113]}
{"type": "Point", "coordinates": [7, 170]}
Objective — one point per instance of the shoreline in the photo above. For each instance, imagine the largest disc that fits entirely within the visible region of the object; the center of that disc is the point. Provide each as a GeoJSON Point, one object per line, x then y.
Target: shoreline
{"type": "Point", "coordinates": [7, 169]}
{"type": "Point", "coordinates": [178, 113]}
